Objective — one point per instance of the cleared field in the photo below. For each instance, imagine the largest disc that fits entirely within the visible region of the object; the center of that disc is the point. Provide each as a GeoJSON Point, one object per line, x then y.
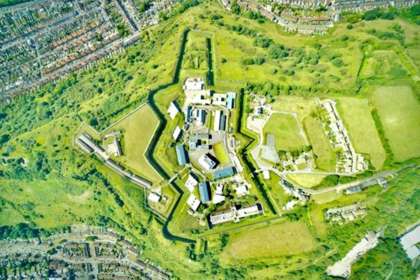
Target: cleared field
{"type": "Point", "coordinates": [300, 106]}
{"type": "Point", "coordinates": [195, 58]}
{"type": "Point", "coordinates": [359, 123]}
{"type": "Point", "coordinates": [325, 157]}
{"type": "Point", "coordinates": [306, 180]}
{"type": "Point", "coordinates": [138, 129]}
{"type": "Point", "coordinates": [383, 63]}
{"type": "Point", "coordinates": [286, 130]}
{"type": "Point", "coordinates": [282, 239]}
{"type": "Point", "coordinates": [399, 112]}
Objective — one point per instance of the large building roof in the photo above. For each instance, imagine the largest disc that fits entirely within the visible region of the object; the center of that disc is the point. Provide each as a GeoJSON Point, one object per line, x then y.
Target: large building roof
{"type": "Point", "coordinates": [204, 192]}
{"type": "Point", "coordinates": [181, 154]}
{"type": "Point", "coordinates": [223, 173]}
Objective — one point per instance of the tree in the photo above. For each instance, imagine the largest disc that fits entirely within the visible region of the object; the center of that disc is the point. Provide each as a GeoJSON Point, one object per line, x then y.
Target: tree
{"type": "Point", "coordinates": [4, 139]}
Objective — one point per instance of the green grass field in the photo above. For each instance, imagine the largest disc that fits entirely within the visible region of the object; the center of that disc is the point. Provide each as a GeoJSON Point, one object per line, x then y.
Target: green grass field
{"type": "Point", "coordinates": [399, 112]}
{"type": "Point", "coordinates": [195, 57]}
{"type": "Point", "coordinates": [383, 64]}
{"type": "Point", "coordinates": [306, 180]}
{"type": "Point", "coordinates": [221, 153]}
{"type": "Point", "coordinates": [325, 157]}
{"type": "Point", "coordinates": [359, 123]}
{"type": "Point", "coordinates": [138, 128]}
{"type": "Point", "coordinates": [288, 238]}
{"type": "Point", "coordinates": [298, 105]}
{"type": "Point", "coordinates": [286, 130]}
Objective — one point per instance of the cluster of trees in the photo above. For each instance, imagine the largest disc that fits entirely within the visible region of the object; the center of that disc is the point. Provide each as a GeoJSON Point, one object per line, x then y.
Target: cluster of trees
{"type": "Point", "coordinates": [378, 14]}
{"type": "Point", "coordinates": [258, 60]}
{"type": "Point", "coordinates": [396, 33]}
{"type": "Point", "coordinates": [95, 178]}
{"type": "Point", "coordinates": [412, 14]}
{"type": "Point", "coordinates": [179, 9]}
{"type": "Point", "coordinates": [39, 167]}
{"type": "Point", "coordinates": [26, 231]}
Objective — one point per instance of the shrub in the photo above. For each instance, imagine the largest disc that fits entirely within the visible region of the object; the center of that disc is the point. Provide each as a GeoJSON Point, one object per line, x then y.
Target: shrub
{"type": "Point", "coordinates": [263, 42]}
{"type": "Point", "coordinates": [278, 51]}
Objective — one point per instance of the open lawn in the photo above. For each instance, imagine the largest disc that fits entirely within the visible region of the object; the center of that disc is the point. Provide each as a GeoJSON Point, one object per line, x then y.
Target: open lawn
{"type": "Point", "coordinates": [221, 153]}
{"type": "Point", "coordinates": [399, 113]}
{"type": "Point", "coordinates": [300, 106]}
{"type": "Point", "coordinates": [195, 61]}
{"type": "Point", "coordinates": [286, 130]}
{"type": "Point", "coordinates": [359, 123]}
{"type": "Point", "coordinates": [383, 64]}
{"type": "Point", "coordinates": [138, 128]}
{"type": "Point", "coordinates": [306, 180]}
{"type": "Point", "coordinates": [288, 238]}
{"type": "Point", "coordinates": [325, 157]}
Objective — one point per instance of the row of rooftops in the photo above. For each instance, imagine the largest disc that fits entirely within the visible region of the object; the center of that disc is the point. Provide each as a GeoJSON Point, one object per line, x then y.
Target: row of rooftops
{"type": "Point", "coordinates": [352, 162]}
{"type": "Point", "coordinates": [88, 145]}
{"type": "Point", "coordinates": [235, 214]}
{"type": "Point", "coordinates": [205, 191]}
{"type": "Point", "coordinates": [196, 93]}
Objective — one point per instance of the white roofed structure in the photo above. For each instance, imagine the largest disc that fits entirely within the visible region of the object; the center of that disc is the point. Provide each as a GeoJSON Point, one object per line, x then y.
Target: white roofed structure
{"type": "Point", "coordinates": [193, 202]}
{"type": "Point", "coordinates": [173, 110]}
{"type": "Point", "coordinates": [177, 133]}
{"type": "Point", "coordinates": [191, 183]}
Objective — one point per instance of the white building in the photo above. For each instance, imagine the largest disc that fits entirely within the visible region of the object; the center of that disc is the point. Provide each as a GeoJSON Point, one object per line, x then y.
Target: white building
{"type": "Point", "coordinates": [249, 211]}
{"type": "Point", "coordinates": [342, 268]}
{"type": "Point", "coordinates": [217, 198]}
{"type": "Point", "coordinates": [193, 84]}
{"type": "Point", "coordinates": [191, 183]}
{"type": "Point", "coordinates": [114, 148]}
{"type": "Point", "coordinates": [410, 241]}
{"type": "Point", "coordinates": [193, 202]}
{"type": "Point", "coordinates": [206, 162]}
{"type": "Point", "coordinates": [154, 197]}
{"type": "Point", "coordinates": [219, 189]}
{"type": "Point", "coordinates": [219, 99]}
{"type": "Point", "coordinates": [173, 110]}
{"type": "Point", "coordinates": [242, 190]}
{"type": "Point", "coordinates": [219, 121]}
{"type": "Point", "coordinates": [177, 133]}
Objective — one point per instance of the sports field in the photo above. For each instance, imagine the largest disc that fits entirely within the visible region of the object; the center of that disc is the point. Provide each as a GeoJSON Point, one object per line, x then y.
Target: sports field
{"type": "Point", "coordinates": [357, 118]}
{"type": "Point", "coordinates": [325, 157]}
{"type": "Point", "coordinates": [272, 241]}
{"type": "Point", "coordinates": [399, 112]}
{"type": "Point", "coordinates": [286, 130]}
{"type": "Point", "coordinates": [138, 128]}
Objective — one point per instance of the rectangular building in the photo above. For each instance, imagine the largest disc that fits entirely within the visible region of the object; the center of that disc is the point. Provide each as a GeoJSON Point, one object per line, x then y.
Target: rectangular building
{"type": "Point", "coordinates": [224, 173]}
{"type": "Point", "coordinates": [181, 154]}
{"type": "Point", "coordinates": [204, 190]}
{"type": "Point", "coordinates": [207, 161]}
{"type": "Point", "coordinates": [230, 104]}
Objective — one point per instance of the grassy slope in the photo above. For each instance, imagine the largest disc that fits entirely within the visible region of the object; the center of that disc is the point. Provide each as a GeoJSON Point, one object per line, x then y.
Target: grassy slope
{"type": "Point", "coordinates": [357, 118]}
{"type": "Point", "coordinates": [306, 180]}
{"type": "Point", "coordinates": [269, 242]}
{"type": "Point", "coordinates": [399, 111]}
{"type": "Point", "coordinates": [138, 129]}
{"type": "Point", "coordinates": [286, 131]}
{"type": "Point", "coordinates": [325, 156]}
